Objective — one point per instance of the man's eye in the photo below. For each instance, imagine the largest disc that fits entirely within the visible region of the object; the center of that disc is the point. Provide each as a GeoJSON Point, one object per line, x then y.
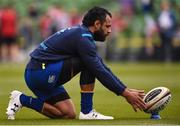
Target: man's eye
{"type": "Point", "coordinates": [108, 26]}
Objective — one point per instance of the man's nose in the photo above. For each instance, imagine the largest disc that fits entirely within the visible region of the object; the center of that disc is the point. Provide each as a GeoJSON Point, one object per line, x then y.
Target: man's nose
{"type": "Point", "coordinates": [109, 30]}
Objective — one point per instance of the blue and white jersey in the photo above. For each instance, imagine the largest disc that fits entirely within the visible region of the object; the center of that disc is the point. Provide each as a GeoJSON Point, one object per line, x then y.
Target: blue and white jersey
{"type": "Point", "coordinates": [64, 44]}
{"type": "Point", "coordinates": [78, 42]}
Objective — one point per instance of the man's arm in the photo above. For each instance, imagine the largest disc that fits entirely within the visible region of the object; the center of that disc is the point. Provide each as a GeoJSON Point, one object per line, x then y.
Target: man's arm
{"type": "Point", "coordinates": [88, 55]}
{"type": "Point", "coordinates": [87, 52]}
{"type": "Point", "coordinates": [133, 96]}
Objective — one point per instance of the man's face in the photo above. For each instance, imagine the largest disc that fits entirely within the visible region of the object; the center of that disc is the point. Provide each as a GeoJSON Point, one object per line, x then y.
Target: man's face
{"type": "Point", "coordinates": [104, 30]}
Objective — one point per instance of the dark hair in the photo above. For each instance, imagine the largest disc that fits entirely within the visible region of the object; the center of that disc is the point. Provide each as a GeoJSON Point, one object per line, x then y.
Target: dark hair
{"type": "Point", "coordinates": [96, 13]}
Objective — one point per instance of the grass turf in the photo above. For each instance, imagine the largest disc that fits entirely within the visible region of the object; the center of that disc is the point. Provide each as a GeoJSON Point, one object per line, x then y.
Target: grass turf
{"type": "Point", "coordinates": [136, 75]}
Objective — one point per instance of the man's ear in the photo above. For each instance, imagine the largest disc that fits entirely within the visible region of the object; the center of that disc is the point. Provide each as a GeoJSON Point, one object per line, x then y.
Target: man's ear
{"type": "Point", "coordinates": [97, 24]}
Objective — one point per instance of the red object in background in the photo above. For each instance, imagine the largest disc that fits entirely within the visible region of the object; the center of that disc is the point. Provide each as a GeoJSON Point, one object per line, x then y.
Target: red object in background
{"type": "Point", "coordinates": [8, 23]}
{"type": "Point", "coordinates": [45, 23]}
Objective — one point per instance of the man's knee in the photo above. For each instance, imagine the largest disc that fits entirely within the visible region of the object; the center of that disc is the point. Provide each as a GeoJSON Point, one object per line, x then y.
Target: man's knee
{"type": "Point", "coordinates": [66, 108]}
{"type": "Point", "coordinates": [67, 115]}
{"type": "Point", "coordinates": [71, 115]}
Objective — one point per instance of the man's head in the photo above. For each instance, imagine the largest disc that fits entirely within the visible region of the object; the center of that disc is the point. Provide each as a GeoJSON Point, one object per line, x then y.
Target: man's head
{"type": "Point", "coordinates": [98, 20]}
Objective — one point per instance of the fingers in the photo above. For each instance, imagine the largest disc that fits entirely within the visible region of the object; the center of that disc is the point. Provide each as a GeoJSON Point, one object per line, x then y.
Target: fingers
{"type": "Point", "coordinates": [136, 99]}
{"type": "Point", "coordinates": [139, 104]}
{"type": "Point", "coordinates": [136, 90]}
{"type": "Point", "coordinates": [140, 107]}
{"type": "Point", "coordinates": [134, 107]}
{"type": "Point", "coordinates": [140, 91]}
{"type": "Point", "coordinates": [141, 95]}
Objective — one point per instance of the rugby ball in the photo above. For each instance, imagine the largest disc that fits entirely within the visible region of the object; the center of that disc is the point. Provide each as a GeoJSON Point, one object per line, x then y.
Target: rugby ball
{"type": "Point", "coordinates": [157, 99]}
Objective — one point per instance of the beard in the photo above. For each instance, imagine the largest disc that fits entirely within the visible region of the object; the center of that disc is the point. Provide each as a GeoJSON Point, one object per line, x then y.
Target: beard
{"type": "Point", "coordinates": [99, 35]}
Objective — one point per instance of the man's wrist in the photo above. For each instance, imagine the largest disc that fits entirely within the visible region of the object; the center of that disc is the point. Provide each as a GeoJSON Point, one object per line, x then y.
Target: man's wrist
{"type": "Point", "coordinates": [125, 93]}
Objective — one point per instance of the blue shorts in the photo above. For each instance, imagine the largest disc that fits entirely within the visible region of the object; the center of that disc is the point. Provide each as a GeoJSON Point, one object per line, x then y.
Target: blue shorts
{"type": "Point", "coordinates": [43, 82]}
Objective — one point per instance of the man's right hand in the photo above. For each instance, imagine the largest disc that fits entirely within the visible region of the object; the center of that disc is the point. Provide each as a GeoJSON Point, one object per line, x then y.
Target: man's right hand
{"type": "Point", "coordinates": [135, 98]}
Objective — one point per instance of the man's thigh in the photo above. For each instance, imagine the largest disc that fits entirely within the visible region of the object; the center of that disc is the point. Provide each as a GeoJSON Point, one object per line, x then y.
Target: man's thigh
{"type": "Point", "coordinates": [54, 95]}
{"type": "Point", "coordinates": [70, 68]}
{"type": "Point", "coordinates": [44, 82]}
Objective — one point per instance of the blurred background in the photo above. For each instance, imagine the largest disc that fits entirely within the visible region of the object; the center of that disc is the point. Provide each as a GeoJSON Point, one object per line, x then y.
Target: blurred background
{"type": "Point", "coordinates": [142, 30]}
{"type": "Point", "coordinates": [143, 50]}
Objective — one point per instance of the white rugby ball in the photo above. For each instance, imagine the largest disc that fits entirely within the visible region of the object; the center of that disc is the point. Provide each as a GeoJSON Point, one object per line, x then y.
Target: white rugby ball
{"type": "Point", "coordinates": [157, 99]}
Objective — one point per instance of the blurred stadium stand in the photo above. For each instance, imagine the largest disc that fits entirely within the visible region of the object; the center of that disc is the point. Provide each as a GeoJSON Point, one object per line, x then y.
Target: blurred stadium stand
{"type": "Point", "coordinates": [135, 36]}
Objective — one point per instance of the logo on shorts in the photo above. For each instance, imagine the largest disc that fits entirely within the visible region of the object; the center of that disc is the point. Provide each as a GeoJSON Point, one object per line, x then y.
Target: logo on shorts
{"type": "Point", "coordinates": [51, 78]}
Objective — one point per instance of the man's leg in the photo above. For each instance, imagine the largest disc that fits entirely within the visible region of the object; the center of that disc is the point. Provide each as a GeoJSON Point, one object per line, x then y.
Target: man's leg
{"type": "Point", "coordinates": [87, 81]}
{"type": "Point", "coordinates": [67, 108]}
{"type": "Point", "coordinates": [70, 68]}
{"type": "Point", "coordinates": [39, 106]}
{"type": "Point", "coordinates": [63, 108]}
{"type": "Point", "coordinates": [57, 103]}
{"type": "Point", "coordinates": [18, 100]}
{"type": "Point", "coordinates": [87, 98]}
{"type": "Point", "coordinates": [50, 111]}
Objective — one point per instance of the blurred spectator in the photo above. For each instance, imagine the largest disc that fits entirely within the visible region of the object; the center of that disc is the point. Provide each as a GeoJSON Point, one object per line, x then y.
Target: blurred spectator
{"type": "Point", "coordinates": [176, 45]}
{"type": "Point", "coordinates": [75, 17]}
{"type": "Point", "coordinates": [45, 23]}
{"type": "Point", "coordinates": [33, 11]}
{"type": "Point", "coordinates": [129, 24]}
{"type": "Point", "coordinates": [147, 6]}
{"type": "Point", "coordinates": [60, 18]}
{"type": "Point", "coordinates": [9, 34]}
{"type": "Point", "coordinates": [31, 26]}
{"type": "Point", "coordinates": [127, 7]}
{"type": "Point", "coordinates": [150, 27]}
{"type": "Point", "coordinates": [119, 25]}
{"type": "Point", "coordinates": [26, 32]}
{"type": "Point", "coordinates": [127, 10]}
{"type": "Point", "coordinates": [167, 25]}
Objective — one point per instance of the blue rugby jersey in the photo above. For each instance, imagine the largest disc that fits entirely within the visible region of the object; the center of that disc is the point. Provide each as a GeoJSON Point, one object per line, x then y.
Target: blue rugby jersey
{"type": "Point", "coordinates": [78, 42]}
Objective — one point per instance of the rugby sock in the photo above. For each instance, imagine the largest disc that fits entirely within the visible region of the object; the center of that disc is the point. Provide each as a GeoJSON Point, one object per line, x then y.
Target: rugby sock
{"type": "Point", "coordinates": [30, 102]}
{"type": "Point", "coordinates": [86, 102]}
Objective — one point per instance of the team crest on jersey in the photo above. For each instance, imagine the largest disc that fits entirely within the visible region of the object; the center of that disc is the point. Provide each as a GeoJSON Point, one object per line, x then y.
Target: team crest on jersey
{"type": "Point", "coordinates": [51, 78]}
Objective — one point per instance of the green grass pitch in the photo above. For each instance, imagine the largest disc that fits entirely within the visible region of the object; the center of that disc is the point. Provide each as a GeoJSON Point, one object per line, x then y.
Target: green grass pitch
{"type": "Point", "coordinates": [135, 75]}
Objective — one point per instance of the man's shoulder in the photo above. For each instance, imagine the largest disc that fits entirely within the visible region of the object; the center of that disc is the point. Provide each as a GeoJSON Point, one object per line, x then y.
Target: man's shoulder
{"type": "Point", "coordinates": [81, 33]}
{"type": "Point", "coordinates": [85, 33]}
{"type": "Point", "coordinates": [81, 29]}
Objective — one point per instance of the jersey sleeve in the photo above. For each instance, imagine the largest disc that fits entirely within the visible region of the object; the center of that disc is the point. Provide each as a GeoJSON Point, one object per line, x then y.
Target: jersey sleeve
{"type": "Point", "coordinates": [88, 55]}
